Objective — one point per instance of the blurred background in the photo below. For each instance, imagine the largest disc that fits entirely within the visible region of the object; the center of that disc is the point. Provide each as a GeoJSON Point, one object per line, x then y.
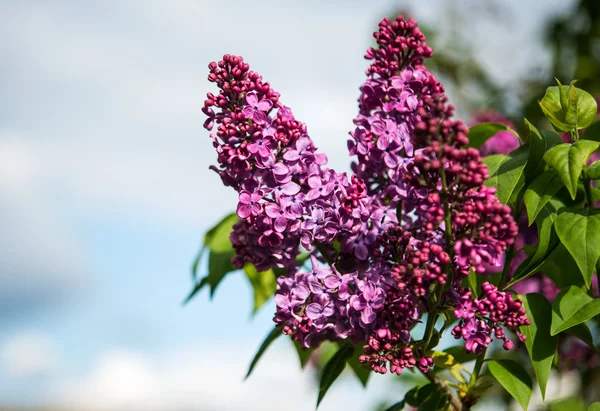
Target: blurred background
{"type": "Point", "coordinates": [105, 191]}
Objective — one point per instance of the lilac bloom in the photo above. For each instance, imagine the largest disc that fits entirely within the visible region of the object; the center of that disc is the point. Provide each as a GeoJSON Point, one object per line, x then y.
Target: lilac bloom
{"type": "Point", "coordinates": [371, 299]}
{"type": "Point", "coordinates": [270, 238]}
{"type": "Point", "coordinates": [396, 101]}
{"type": "Point", "coordinates": [256, 109]}
{"type": "Point", "coordinates": [465, 310]}
{"type": "Point", "coordinates": [320, 309]}
{"type": "Point", "coordinates": [249, 204]}
{"type": "Point", "coordinates": [262, 146]}
{"type": "Point", "coordinates": [294, 204]}
{"type": "Point", "coordinates": [387, 132]}
{"type": "Point", "coordinates": [285, 113]}
{"type": "Point", "coordinates": [476, 334]}
{"type": "Point", "coordinates": [318, 189]}
{"type": "Point", "coordinates": [280, 216]}
{"type": "Point", "coordinates": [302, 150]}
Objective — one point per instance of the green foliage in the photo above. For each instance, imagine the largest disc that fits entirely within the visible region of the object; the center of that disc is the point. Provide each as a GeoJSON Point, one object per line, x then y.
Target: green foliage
{"type": "Point", "coordinates": [507, 174]}
{"type": "Point", "coordinates": [569, 159]}
{"type": "Point", "coordinates": [567, 404]}
{"type": "Point", "coordinates": [539, 144]}
{"type": "Point", "coordinates": [263, 284]}
{"type": "Point", "coordinates": [547, 241]}
{"type": "Point", "coordinates": [540, 191]}
{"type": "Point", "coordinates": [579, 232]}
{"type": "Point", "coordinates": [568, 108]}
{"type": "Point", "coordinates": [429, 397]}
{"type": "Point", "coordinates": [304, 353]}
{"type": "Point", "coordinates": [362, 371]}
{"type": "Point", "coordinates": [480, 133]}
{"type": "Point", "coordinates": [593, 171]}
{"type": "Point", "coordinates": [540, 344]}
{"type": "Point", "coordinates": [333, 369]}
{"type": "Point", "coordinates": [595, 407]}
{"type": "Point", "coordinates": [513, 378]}
{"type": "Point", "coordinates": [571, 307]}
{"type": "Point", "coordinates": [220, 254]}
{"type": "Point", "coordinates": [272, 336]}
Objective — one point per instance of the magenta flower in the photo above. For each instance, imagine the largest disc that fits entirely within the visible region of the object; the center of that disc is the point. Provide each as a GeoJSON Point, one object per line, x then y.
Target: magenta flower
{"type": "Point", "coordinates": [255, 109]}
{"type": "Point", "coordinates": [249, 204]}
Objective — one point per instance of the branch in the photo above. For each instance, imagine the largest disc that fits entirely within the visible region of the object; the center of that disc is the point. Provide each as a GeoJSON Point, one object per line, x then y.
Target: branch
{"type": "Point", "coordinates": [458, 406]}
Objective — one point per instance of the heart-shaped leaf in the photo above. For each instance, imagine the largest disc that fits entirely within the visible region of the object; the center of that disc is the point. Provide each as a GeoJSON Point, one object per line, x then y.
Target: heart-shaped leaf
{"type": "Point", "coordinates": [579, 231]}
{"type": "Point", "coordinates": [569, 159]}
{"type": "Point", "coordinates": [571, 307]}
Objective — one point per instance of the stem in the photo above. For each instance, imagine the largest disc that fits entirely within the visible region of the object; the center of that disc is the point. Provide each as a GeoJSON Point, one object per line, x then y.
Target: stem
{"type": "Point", "coordinates": [323, 251]}
{"type": "Point", "coordinates": [458, 406]}
{"type": "Point", "coordinates": [479, 365]}
{"type": "Point", "coordinates": [429, 329]}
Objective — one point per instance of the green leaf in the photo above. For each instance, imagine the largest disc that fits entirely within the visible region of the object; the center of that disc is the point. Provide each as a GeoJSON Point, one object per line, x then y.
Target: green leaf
{"type": "Point", "coordinates": [540, 344]}
{"type": "Point", "coordinates": [513, 378]}
{"type": "Point", "coordinates": [362, 371]}
{"type": "Point", "coordinates": [561, 268]}
{"type": "Point", "coordinates": [579, 231]}
{"type": "Point", "coordinates": [480, 133]}
{"type": "Point", "coordinates": [333, 369]}
{"type": "Point", "coordinates": [547, 241]}
{"type": "Point", "coordinates": [540, 191]}
{"type": "Point", "coordinates": [568, 108]}
{"type": "Point", "coordinates": [272, 336]}
{"type": "Point", "coordinates": [304, 353]}
{"type": "Point", "coordinates": [593, 171]}
{"type": "Point", "coordinates": [216, 240]}
{"type": "Point", "coordinates": [595, 407]}
{"type": "Point", "coordinates": [539, 144]}
{"type": "Point", "coordinates": [567, 404]}
{"type": "Point", "coordinates": [592, 132]}
{"type": "Point", "coordinates": [572, 306]}
{"type": "Point", "coordinates": [429, 397]}
{"type": "Point", "coordinates": [506, 174]}
{"type": "Point", "coordinates": [582, 331]}
{"type": "Point", "coordinates": [263, 284]}
{"type": "Point", "coordinates": [569, 159]}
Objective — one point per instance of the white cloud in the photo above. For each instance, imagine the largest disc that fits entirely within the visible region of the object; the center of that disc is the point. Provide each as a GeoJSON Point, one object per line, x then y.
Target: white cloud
{"type": "Point", "coordinates": [28, 354]}
{"type": "Point", "coordinates": [210, 378]}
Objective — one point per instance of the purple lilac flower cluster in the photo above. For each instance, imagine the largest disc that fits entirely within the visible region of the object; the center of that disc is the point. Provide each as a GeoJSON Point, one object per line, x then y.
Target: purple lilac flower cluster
{"type": "Point", "coordinates": [400, 234]}
{"type": "Point", "coordinates": [287, 198]}
{"type": "Point", "coordinates": [481, 316]}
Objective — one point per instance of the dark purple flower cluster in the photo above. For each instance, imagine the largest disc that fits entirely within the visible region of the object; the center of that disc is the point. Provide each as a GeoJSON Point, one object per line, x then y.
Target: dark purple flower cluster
{"type": "Point", "coordinates": [488, 313]}
{"type": "Point", "coordinates": [287, 198]}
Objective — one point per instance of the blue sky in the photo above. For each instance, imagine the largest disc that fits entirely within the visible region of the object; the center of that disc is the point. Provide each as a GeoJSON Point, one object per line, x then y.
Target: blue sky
{"type": "Point", "coordinates": [105, 190]}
